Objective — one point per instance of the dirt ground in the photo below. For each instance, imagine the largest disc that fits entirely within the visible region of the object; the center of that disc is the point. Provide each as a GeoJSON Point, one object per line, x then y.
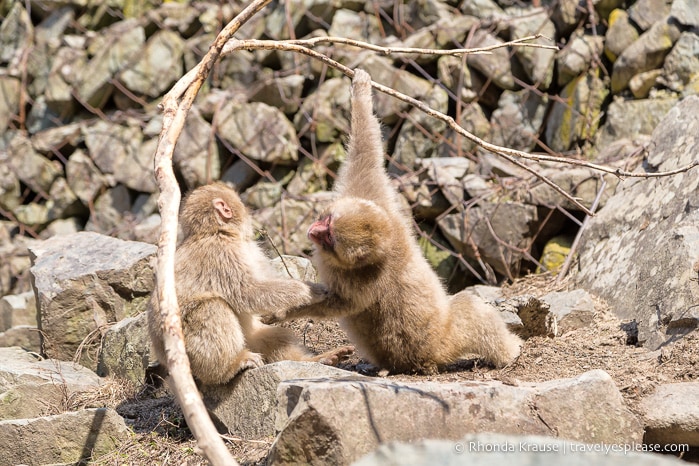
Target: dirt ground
{"type": "Point", "coordinates": [162, 435]}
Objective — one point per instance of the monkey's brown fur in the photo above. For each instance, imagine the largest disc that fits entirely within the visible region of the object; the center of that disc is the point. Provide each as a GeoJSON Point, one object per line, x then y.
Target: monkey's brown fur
{"type": "Point", "coordinates": [389, 300]}
{"type": "Point", "coordinates": [223, 281]}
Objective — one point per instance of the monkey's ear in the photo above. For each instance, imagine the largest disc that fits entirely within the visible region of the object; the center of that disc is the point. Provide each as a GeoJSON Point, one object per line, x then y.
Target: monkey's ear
{"type": "Point", "coordinates": [224, 211]}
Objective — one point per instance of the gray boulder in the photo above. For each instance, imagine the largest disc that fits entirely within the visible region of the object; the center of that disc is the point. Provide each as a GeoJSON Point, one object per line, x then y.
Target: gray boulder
{"type": "Point", "coordinates": [572, 309]}
{"type": "Point", "coordinates": [248, 405]}
{"type": "Point", "coordinates": [671, 414]}
{"type": "Point", "coordinates": [83, 282]}
{"type": "Point", "coordinates": [115, 149]}
{"type": "Point", "coordinates": [338, 421]}
{"type": "Point", "coordinates": [631, 118]}
{"type": "Point", "coordinates": [639, 252]}
{"type": "Point", "coordinates": [68, 438]}
{"type": "Point", "coordinates": [17, 310]}
{"type": "Point", "coordinates": [259, 131]}
{"type": "Point", "coordinates": [488, 225]}
{"type": "Point", "coordinates": [644, 54]}
{"type": "Point", "coordinates": [30, 387]}
{"type": "Point", "coordinates": [125, 351]}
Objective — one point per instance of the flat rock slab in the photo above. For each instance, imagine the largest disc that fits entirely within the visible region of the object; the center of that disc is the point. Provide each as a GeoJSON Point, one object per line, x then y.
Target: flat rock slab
{"type": "Point", "coordinates": [63, 438]}
{"type": "Point", "coordinates": [671, 414]}
{"type": "Point", "coordinates": [338, 421]}
{"type": "Point", "coordinates": [496, 449]}
{"type": "Point", "coordinates": [30, 387]}
{"type": "Point", "coordinates": [247, 405]}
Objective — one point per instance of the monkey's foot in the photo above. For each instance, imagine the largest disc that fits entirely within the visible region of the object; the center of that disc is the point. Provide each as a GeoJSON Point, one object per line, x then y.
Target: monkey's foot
{"type": "Point", "coordinates": [251, 361]}
{"type": "Point", "coordinates": [274, 318]}
{"type": "Point", "coordinates": [333, 357]}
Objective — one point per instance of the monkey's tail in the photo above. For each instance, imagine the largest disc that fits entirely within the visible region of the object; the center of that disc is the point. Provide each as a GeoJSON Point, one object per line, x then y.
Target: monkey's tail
{"type": "Point", "coordinates": [478, 328]}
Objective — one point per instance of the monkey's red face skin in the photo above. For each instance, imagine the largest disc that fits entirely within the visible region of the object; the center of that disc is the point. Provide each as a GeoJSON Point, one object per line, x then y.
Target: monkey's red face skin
{"type": "Point", "coordinates": [321, 233]}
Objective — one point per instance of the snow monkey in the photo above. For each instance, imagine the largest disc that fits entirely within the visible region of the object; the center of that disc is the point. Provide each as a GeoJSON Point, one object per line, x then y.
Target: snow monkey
{"type": "Point", "coordinates": [390, 302]}
{"type": "Point", "coordinates": [223, 281]}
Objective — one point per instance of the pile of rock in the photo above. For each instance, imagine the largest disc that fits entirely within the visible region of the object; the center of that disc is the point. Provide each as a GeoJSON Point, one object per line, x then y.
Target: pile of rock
{"type": "Point", "coordinates": [79, 120]}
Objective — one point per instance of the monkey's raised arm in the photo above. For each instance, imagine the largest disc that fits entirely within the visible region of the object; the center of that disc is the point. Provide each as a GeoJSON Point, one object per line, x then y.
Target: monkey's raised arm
{"type": "Point", "coordinates": [363, 174]}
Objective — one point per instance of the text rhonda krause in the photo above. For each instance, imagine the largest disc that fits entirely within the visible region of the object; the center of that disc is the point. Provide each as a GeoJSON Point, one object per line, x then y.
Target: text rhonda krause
{"type": "Point", "coordinates": [570, 447]}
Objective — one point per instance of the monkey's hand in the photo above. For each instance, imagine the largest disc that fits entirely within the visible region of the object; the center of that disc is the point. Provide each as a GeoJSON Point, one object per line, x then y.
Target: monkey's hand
{"type": "Point", "coordinates": [361, 84]}
{"type": "Point", "coordinates": [319, 292]}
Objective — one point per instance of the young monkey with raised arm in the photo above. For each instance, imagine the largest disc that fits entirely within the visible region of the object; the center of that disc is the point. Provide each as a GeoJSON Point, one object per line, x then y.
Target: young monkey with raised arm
{"type": "Point", "coordinates": [390, 302]}
{"type": "Point", "coordinates": [223, 281]}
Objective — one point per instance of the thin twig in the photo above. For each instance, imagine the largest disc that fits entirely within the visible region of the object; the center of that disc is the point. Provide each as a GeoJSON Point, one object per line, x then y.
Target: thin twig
{"type": "Point", "coordinates": [523, 41]}
{"type": "Point", "coordinates": [573, 247]}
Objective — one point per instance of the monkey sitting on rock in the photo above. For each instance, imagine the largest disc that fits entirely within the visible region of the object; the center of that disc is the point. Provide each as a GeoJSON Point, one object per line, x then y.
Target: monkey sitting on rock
{"type": "Point", "coordinates": [223, 281]}
{"type": "Point", "coordinates": [387, 297]}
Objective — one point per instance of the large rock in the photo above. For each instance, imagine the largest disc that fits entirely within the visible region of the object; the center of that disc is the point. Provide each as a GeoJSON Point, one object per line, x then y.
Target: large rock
{"type": "Point", "coordinates": [67, 438]}
{"type": "Point", "coordinates": [494, 65]}
{"type": "Point", "coordinates": [196, 155]}
{"type": "Point", "coordinates": [158, 66]}
{"type": "Point", "coordinates": [516, 123]}
{"type": "Point", "coordinates": [671, 414]}
{"type": "Point", "coordinates": [17, 310]}
{"type": "Point", "coordinates": [537, 62]}
{"type": "Point", "coordinates": [646, 53]}
{"type": "Point", "coordinates": [416, 136]}
{"type": "Point", "coordinates": [259, 131]}
{"type": "Point", "coordinates": [574, 117]}
{"type": "Point", "coordinates": [125, 351]}
{"type": "Point", "coordinates": [488, 225]}
{"type": "Point", "coordinates": [640, 252]}
{"type": "Point", "coordinates": [26, 337]}
{"type": "Point", "coordinates": [248, 405]}
{"type": "Point", "coordinates": [338, 421]}
{"type": "Point", "coordinates": [631, 118]}
{"type": "Point", "coordinates": [9, 99]}
{"type": "Point", "coordinates": [326, 111]}
{"type": "Point", "coordinates": [485, 449]}
{"type": "Point", "coordinates": [115, 149]}
{"type": "Point", "coordinates": [83, 282]}
{"type": "Point", "coordinates": [112, 50]}
{"type": "Point", "coordinates": [30, 387]}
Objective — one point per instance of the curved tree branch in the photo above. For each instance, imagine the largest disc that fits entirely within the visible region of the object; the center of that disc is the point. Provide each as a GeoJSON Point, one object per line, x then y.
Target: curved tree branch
{"type": "Point", "coordinates": [174, 114]}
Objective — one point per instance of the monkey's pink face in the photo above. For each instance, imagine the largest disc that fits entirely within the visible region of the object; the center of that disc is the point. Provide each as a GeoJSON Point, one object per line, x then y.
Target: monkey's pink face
{"type": "Point", "coordinates": [352, 233]}
{"type": "Point", "coordinates": [321, 233]}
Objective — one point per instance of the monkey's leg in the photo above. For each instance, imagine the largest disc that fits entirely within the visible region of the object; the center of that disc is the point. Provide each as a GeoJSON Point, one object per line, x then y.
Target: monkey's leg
{"type": "Point", "coordinates": [479, 329]}
{"type": "Point", "coordinates": [215, 342]}
{"type": "Point", "coordinates": [280, 344]}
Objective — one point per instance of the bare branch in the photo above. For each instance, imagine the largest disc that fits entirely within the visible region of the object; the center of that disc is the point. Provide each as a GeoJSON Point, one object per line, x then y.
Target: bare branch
{"type": "Point", "coordinates": [507, 153]}
{"type": "Point", "coordinates": [523, 41]}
